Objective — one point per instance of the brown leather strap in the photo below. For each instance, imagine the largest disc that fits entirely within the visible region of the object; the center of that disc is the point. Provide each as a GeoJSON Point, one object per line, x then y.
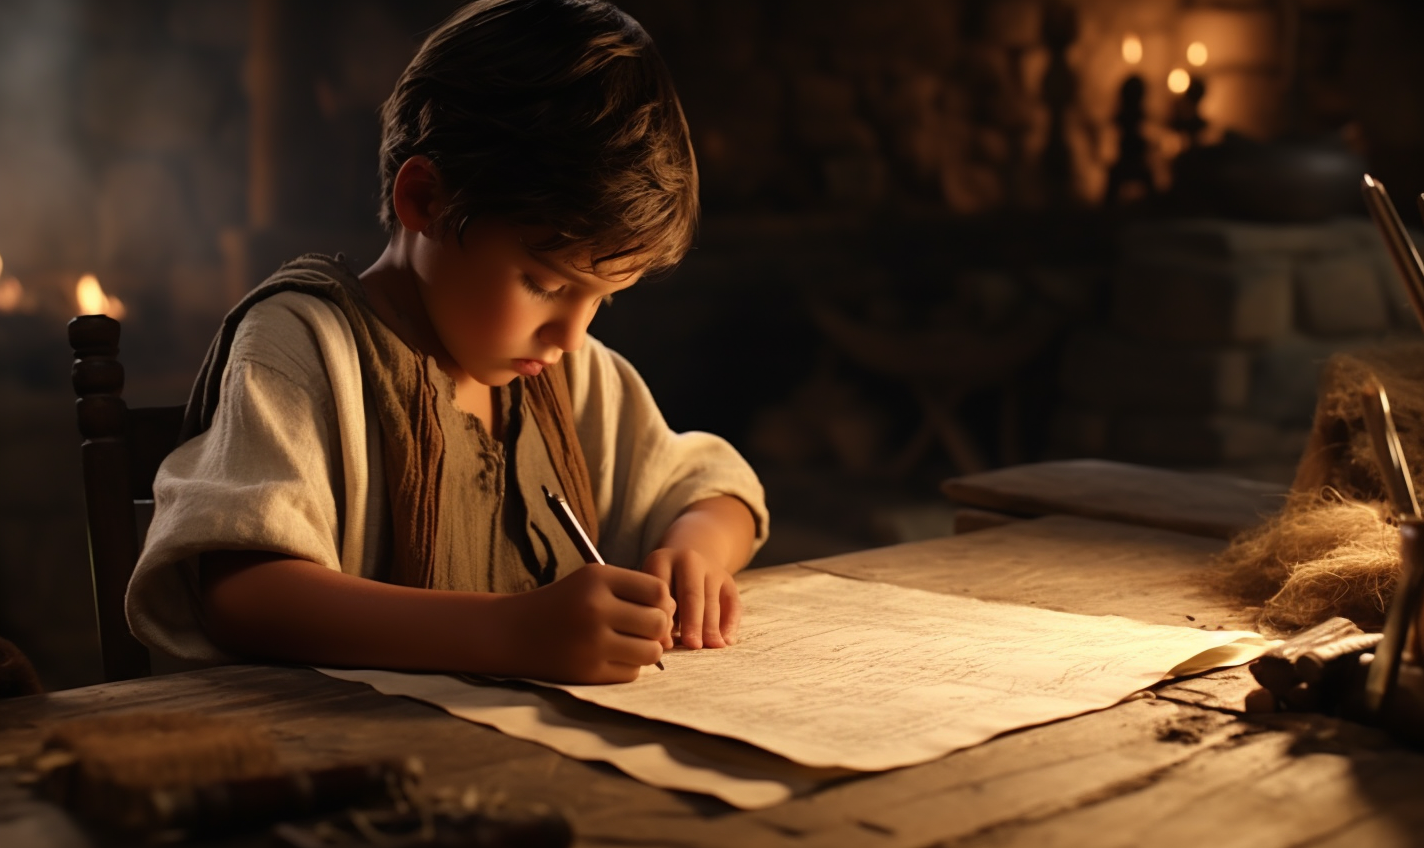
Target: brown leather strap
{"type": "Point", "coordinates": [552, 406]}
{"type": "Point", "coordinates": [412, 442]}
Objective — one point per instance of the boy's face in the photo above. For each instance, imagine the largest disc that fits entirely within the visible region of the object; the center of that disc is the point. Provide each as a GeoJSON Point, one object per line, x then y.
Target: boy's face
{"type": "Point", "coordinates": [503, 310]}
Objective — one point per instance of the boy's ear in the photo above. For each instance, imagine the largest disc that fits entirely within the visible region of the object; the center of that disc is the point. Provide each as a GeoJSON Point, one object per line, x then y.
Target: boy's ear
{"type": "Point", "coordinates": [417, 196]}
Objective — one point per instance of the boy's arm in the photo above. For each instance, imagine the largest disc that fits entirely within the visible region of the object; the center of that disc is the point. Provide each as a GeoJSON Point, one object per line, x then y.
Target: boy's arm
{"type": "Point", "coordinates": [707, 543]}
{"type": "Point", "coordinates": [645, 475]}
{"type": "Point", "coordinates": [599, 625]}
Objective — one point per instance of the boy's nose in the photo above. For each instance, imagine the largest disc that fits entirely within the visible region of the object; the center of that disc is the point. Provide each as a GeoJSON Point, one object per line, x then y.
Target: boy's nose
{"type": "Point", "coordinates": [569, 329]}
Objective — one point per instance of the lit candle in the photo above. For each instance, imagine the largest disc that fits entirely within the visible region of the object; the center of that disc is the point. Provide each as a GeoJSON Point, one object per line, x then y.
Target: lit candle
{"type": "Point", "coordinates": [1131, 49]}
{"type": "Point", "coordinates": [1196, 54]}
{"type": "Point", "coordinates": [93, 301]}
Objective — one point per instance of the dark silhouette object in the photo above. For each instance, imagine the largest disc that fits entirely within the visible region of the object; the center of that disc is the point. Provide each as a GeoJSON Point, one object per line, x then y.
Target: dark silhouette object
{"type": "Point", "coordinates": [121, 451]}
{"type": "Point", "coordinates": [1060, 92]}
{"type": "Point", "coordinates": [1130, 177]}
{"type": "Point", "coordinates": [17, 676]}
{"type": "Point", "coordinates": [1186, 113]}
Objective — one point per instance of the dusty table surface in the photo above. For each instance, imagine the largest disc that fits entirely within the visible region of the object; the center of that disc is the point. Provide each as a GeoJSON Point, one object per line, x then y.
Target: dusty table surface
{"type": "Point", "coordinates": [1180, 768]}
{"type": "Point", "coordinates": [1200, 504]}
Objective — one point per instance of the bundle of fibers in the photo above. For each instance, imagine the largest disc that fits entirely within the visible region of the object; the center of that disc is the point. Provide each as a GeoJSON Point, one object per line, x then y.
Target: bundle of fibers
{"type": "Point", "coordinates": [1332, 550]}
{"type": "Point", "coordinates": [1323, 555]}
{"type": "Point", "coordinates": [1340, 455]}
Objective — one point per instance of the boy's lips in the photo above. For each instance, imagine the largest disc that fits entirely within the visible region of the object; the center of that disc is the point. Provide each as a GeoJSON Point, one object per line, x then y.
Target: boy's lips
{"type": "Point", "coordinates": [530, 367]}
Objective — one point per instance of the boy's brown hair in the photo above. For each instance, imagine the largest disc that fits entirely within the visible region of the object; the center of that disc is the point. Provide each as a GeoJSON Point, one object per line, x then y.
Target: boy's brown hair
{"type": "Point", "coordinates": [557, 113]}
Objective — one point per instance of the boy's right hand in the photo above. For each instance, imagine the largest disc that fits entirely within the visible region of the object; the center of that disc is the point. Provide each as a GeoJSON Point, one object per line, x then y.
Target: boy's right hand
{"type": "Point", "coordinates": [598, 625]}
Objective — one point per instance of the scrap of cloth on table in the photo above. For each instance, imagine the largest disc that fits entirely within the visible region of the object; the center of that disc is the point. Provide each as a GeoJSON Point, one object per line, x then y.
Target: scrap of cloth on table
{"type": "Point", "coordinates": [834, 673]}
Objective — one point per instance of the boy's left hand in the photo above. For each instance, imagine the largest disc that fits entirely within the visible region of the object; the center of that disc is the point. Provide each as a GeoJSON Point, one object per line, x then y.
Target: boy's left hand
{"type": "Point", "coordinates": [708, 605]}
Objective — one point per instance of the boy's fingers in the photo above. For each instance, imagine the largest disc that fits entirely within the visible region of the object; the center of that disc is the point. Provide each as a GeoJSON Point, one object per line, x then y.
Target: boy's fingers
{"type": "Point", "coordinates": [636, 651]}
{"type": "Point", "coordinates": [638, 621]}
{"type": "Point", "coordinates": [691, 601]}
{"type": "Point", "coordinates": [639, 588]}
{"type": "Point", "coordinates": [660, 567]}
{"type": "Point", "coordinates": [731, 612]}
{"type": "Point", "coordinates": [712, 618]}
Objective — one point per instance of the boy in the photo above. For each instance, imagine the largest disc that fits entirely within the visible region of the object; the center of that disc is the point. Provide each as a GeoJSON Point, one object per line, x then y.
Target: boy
{"type": "Point", "coordinates": [362, 486]}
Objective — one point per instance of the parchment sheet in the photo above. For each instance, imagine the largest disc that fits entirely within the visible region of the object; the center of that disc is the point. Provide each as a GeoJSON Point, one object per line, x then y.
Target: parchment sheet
{"type": "Point", "coordinates": [838, 673]}
{"type": "Point", "coordinates": [654, 753]}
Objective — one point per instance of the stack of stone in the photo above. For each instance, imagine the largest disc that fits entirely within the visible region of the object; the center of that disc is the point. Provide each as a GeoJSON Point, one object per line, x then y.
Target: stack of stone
{"type": "Point", "coordinates": [1217, 333]}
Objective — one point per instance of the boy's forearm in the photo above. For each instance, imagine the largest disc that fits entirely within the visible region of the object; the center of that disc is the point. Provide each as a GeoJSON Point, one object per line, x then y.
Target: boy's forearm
{"type": "Point", "coordinates": [267, 607]}
{"type": "Point", "coordinates": [720, 528]}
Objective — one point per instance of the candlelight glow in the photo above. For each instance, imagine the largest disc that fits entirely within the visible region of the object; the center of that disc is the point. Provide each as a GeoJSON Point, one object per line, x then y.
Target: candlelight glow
{"type": "Point", "coordinates": [93, 301]}
{"type": "Point", "coordinates": [12, 295]}
{"type": "Point", "coordinates": [1178, 81]}
{"type": "Point", "coordinates": [1131, 49]}
{"type": "Point", "coordinates": [1196, 54]}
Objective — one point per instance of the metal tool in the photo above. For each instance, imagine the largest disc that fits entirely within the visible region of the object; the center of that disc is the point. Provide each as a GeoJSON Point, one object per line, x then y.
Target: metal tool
{"type": "Point", "coordinates": [1404, 607]}
{"type": "Point", "coordinates": [1397, 242]}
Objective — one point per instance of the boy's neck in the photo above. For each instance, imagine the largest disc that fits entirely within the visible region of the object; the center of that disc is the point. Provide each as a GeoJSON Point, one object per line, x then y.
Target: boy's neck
{"type": "Point", "coordinates": [390, 286]}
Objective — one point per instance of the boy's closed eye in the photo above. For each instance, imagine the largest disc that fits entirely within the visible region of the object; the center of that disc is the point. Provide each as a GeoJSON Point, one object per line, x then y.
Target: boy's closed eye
{"type": "Point", "coordinates": [553, 293]}
{"type": "Point", "coordinates": [539, 291]}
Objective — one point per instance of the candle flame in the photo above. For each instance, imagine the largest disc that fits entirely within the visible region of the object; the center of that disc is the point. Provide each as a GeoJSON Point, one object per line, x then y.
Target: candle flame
{"type": "Point", "coordinates": [12, 295]}
{"type": "Point", "coordinates": [1178, 81]}
{"type": "Point", "coordinates": [1196, 54]}
{"type": "Point", "coordinates": [1132, 49]}
{"type": "Point", "coordinates": [93, 301]}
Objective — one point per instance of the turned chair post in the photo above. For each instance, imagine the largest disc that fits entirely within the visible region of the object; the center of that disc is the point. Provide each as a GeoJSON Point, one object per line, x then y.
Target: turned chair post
{"type": "Point", "coordinates": [98, 379]}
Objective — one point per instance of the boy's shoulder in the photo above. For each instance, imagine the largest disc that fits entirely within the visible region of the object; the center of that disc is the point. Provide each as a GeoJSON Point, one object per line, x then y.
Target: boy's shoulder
{"type": "Point", "coordinates": [292, 332]}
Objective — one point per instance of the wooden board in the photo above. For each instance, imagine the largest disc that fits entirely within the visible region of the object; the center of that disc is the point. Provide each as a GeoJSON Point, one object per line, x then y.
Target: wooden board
{"type": "Point", "coordinates": [1169, 770]}
{"type": "Point", "coordinates": [1145, 772]}
{"type": "Point", "coordinates": [1200, 504]}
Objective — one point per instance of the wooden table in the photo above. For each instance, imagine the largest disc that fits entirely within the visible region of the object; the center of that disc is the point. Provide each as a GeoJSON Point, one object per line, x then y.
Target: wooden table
{"type": "Point", "coordinates": [1183, 768]}
{"type": "Point", "coordinates": [1201, 504]}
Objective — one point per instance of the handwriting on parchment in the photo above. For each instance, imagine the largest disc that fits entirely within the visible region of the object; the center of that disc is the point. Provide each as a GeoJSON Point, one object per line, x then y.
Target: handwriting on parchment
{"type": "Point", "coordinates": [837, 672]}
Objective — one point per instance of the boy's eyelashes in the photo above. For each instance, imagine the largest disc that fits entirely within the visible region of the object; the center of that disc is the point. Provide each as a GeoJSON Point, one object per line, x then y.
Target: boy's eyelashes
{"type": "Point", "coordinates": [538, 290]}
{"type": "Point", "coordinates": [554, 293]}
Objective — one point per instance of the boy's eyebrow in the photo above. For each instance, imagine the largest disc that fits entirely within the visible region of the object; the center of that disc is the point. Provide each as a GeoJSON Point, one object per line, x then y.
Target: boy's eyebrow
{"type": "Point", "coordinates": [570, 273]}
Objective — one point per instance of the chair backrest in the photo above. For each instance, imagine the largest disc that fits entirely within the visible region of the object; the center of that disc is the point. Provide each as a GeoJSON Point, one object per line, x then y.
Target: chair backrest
{"type": "Point", "coordinates": [121, 449]}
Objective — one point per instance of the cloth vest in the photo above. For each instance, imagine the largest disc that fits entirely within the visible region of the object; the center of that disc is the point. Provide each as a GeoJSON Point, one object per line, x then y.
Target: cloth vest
{"type": "Point", "coordinates": [412, 440]}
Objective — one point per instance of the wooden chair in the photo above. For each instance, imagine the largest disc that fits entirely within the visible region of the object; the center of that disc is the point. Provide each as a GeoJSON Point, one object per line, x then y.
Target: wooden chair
{"type": "Point", "coordinates": [121, 451]}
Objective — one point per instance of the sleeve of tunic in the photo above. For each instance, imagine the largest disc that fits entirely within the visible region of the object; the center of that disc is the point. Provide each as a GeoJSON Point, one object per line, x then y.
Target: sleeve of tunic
{"type": "Point", "coordinates": [283, 468]}
{"type": "Point", "coordinates": [644, 474]}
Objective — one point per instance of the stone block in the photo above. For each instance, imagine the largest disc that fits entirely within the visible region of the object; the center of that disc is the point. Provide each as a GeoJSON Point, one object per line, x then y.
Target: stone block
{"type": "Point", "coordinates": [1219, 238]}
{"type": "Point", "coordinates": [1339, 295]}
{"type": "Point", "coordinates": [1182, 298]}
{"type": "Point", "coordinates": [1401, 311]}
{"type": "Point", "coordinates": [1110, 373]}
{"type": "Point", "coordinates": [1285, 377]}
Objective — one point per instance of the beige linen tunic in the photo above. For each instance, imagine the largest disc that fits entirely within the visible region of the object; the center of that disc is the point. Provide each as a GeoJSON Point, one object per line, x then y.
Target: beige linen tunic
{"type": "Point", "coordinates": [292, 464]}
